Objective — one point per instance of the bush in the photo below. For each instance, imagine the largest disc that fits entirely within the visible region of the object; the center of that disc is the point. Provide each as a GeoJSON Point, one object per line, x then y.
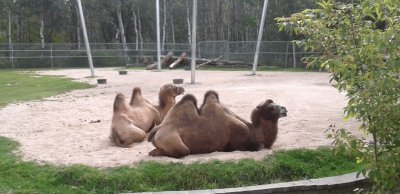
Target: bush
{"type": "Point", "coordinates": [359, 44]}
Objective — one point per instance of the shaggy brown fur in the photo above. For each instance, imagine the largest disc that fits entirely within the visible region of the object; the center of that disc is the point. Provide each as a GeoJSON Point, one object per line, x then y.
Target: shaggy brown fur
{"type": "Point", "coordinates": [131, 121]}
{"type": "Point", "coordinates": [166, 98]}
{"type": "Point", "coordinates": [189, 130]}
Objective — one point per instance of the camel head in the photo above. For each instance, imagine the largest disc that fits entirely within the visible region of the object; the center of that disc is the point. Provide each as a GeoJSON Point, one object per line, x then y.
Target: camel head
{"type": "Point", "coordinates": [265, 121]}
{"type": "Point", "coordinates": [269, 111]}
{"type": "Point", "coordinates": [171, 90]}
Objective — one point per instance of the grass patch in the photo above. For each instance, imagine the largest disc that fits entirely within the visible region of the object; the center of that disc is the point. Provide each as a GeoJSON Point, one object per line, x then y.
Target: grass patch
{"type": "Point", "coordinates": [28, 177]}
{"type": "Point", "coordinates": [21, 86]}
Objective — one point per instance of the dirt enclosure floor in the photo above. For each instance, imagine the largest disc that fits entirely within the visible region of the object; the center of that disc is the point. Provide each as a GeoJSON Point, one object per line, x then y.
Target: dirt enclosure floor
{"type": "Point", "coordinates": [73, 128]}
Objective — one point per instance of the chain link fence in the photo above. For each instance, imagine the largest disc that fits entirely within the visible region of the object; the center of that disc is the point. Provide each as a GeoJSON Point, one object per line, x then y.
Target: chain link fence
{"type": "Point", "coordinates": [283, 54]}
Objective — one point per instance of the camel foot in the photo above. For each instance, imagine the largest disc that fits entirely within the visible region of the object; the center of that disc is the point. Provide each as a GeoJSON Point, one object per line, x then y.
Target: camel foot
{"type": "Point", "coordinates": [157, 152]}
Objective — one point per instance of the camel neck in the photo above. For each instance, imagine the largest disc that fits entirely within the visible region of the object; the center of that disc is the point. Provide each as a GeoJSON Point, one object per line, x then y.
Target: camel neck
{"type": "Point", "coordinates": [166, 101]}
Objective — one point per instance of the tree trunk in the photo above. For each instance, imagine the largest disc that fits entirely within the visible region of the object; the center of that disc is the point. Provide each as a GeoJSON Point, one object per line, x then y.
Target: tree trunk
{"type": "Point", "coordinates": [172, 31]}
{"type": "Point", "coordinates": [78, 28]}
{"type": "Point", "coordinates": [140, 30]}
{"type": "Point", "coordinates": [122, 31]}
{"type": "Point", "coordinates": [41, 33]}
{"type": "Point", "coordinates": [135, 26]}
{"type": "Point", "coordinates": [164, 25]}
{"type": "Point", "coordinates": [10, 39]}
{"type": "Point", "coordinates": [188, 21]}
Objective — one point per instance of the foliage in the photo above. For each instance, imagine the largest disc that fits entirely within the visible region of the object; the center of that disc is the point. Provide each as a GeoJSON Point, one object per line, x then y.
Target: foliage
{"type": "Point", "coordinates": [16, 86]}
{"type": "Point", "coordinates": [28, 177]}
{"type": "Point", "coordinates": [233, 20]}
{"type": "Point", "coordinates": [359, 44]}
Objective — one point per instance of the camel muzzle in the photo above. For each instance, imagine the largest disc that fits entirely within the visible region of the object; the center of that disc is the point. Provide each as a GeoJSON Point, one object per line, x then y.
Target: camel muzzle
{"type": "Point", "coordinates": [283, 112]}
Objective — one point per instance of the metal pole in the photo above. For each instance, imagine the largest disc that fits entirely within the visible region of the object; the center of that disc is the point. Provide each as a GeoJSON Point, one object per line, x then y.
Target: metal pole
{"type": "Point", "coordinates": [85, 36]}
{"type": "Point", "coordinates": [158, 35]}
{"type": "Point", "coordinates": [294, 56]}
{"type": "Point", "coordinates": [194, 30]}
{"type": "Point", "coordinates": [260, 33]}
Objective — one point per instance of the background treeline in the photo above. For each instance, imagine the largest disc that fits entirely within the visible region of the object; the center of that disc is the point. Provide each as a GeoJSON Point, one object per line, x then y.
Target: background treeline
{"type": "Point", "coordinates": [56, 21]}
{"type": "Point", "coordinates": [42, 24]}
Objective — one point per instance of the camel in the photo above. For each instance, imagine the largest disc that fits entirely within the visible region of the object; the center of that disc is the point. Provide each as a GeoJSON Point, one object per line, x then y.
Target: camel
{"type": "Point", "coordinates": [131, 121]}
{"type": "Point", "coordinates": [166, 97]}
{"type": "Point", "coordinates": [187, 129]}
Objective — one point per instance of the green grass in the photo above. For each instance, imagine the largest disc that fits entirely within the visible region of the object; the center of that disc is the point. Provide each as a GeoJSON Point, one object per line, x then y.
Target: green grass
{"type": "Point", "coordinates": [16, 86]}
{"type": "Point", "coordinates": [29, 177]}
{"type": "Point", "coordinates": [17, 176]}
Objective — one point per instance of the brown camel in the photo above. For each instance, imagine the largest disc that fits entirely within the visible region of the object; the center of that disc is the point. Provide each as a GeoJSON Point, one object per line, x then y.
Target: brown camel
{"type": "Point", "coordinates": [189, 130]}
{"type": "Point", "coordinates": [131, 122]}
{"type": "Point", "coordinates": [166, 97]}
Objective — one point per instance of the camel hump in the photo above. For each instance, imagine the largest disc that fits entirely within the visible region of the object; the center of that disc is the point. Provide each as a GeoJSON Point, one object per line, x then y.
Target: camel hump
{"type": "Point", "coordinates": [136, 95]}
{"type": "Point", "coordinates": [211, 96]}
{"type": "Point", "coordinates": [119, 102]}
{"type": "Point", "coordinates": [136, 91]}
{"type": "Point", "coordinates": [188, 97]}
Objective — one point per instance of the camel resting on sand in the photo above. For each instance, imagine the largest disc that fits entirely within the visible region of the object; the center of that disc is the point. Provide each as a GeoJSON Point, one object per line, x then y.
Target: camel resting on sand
{"type": "Point", "coordinates": [187, 129]}
{"type": "Point", "coordinates": [131, 121]}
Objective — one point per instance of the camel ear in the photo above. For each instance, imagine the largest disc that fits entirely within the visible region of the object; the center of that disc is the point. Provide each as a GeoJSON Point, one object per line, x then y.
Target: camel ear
{"type": "Point", "coordinates": [270, 101]}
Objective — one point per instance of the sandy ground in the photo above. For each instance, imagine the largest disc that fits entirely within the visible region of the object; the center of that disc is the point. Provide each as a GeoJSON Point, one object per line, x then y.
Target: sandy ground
{"type": "Point", "coordinates": [63, 129]}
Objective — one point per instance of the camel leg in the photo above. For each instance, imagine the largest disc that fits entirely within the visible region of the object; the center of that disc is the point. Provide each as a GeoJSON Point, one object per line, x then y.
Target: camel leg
{"type": "Point", "coordinates": [127, 133]}
{"type": "Point", "coordinates": [169, 145]}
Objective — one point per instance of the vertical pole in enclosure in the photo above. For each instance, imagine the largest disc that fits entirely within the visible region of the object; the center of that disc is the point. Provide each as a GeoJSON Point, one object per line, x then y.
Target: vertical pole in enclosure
{"type": "Point", "coordinates": [158, 35]}
{"type": "Point", "coordinates": [85, 36]}
{"type": "Point", "coordinates": [294, 56]}
{"type": "Point", "coordinates": [260, 33]}
{"type": "Point", "coordinates": [194, 30]}
{"type": "Point", "coordinates": [287, 52]}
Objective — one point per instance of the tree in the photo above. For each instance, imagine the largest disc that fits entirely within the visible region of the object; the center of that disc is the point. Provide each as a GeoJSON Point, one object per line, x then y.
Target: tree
{"type": "Point", "coordinates": [359, 44]}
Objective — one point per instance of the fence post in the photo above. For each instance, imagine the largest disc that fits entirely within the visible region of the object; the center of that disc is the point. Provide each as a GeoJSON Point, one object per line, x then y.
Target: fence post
{"type": "Point", "coordinates": [287, 52]}
{"type": "Point", "coordinates": [227, 50]}
{"type": "Point", "coordinates": [12, 55]}
{"type": "Point", "coordinates": [198, 50]}
{"type": "Point", "coordinates": [51, 55]}
{"type": "Point", "coordinates": [294, 56]}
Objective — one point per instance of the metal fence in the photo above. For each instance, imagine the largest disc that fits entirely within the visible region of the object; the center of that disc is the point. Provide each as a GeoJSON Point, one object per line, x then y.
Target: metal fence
{"type": "Point", "coordinates": [284, 54]}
